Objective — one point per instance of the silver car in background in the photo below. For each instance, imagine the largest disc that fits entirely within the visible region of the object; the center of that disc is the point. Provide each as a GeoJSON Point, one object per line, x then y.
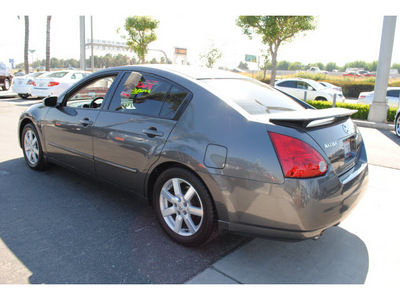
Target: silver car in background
{"type": "Point", "coordinates": [392, 96]}
{"type": "Point", "coordinates": [209, 149]}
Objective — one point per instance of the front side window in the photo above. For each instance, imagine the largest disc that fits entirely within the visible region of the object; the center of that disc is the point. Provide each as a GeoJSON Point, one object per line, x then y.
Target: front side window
{"type": "Point", "coordinates": [147, 95]}
{"type": "Point", "coordinates": [92, 94]}
{"type": "Point", "coordinates": [302, 85]}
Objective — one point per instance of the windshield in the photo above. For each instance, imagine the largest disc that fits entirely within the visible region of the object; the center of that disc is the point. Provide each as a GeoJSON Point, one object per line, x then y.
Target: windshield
{"type": "Point", "coordinates": [254, 97]}
{"type": "Point", "coordinates": [316, 85]}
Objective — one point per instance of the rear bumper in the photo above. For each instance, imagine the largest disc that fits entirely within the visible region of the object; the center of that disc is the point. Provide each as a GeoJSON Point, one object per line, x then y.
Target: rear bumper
{"type": "Point", "coordinates": [296, 209]}
{"type": "Point", "coordinates": [22, 89]}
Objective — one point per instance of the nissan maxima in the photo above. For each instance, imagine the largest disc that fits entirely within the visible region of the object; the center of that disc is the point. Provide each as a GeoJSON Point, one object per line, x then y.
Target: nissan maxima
{"type": "Point", "coordinates": [212, 151]}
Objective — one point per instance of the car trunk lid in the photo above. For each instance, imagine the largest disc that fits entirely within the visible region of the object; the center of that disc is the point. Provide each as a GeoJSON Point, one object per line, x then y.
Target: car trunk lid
{"type": "Point", "coordinates": [332, 129]}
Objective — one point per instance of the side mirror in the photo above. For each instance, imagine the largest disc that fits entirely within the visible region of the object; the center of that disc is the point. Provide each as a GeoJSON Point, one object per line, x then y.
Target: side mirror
{"type": "Point", "coordinates": [50, 101]}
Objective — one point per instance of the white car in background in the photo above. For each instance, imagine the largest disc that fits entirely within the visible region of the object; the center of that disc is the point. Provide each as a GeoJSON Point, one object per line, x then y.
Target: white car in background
{"type": "Point", "coordinates": [23, 85]}
{"type": "Point", "coordinates": [392, 95]}
{"type": "Point", "coordinates": [54, 83]}
{"type": "Point", "coordinates": [297, 87]}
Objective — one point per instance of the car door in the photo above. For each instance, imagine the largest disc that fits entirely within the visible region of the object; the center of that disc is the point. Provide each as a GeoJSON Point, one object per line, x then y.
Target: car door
{"type": "Point", "coordinates": [130, 134]}
{"type": "Point", "coordinates": [69, 126]}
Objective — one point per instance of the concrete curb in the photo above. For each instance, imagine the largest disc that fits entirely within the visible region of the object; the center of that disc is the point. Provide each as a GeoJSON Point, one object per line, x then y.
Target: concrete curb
{"type": "Point", "coordinates": [383, 126]}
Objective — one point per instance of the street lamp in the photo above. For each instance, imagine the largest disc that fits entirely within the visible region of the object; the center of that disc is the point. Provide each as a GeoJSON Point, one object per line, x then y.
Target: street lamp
{"type": "Point", "coordinates": [32, 51]}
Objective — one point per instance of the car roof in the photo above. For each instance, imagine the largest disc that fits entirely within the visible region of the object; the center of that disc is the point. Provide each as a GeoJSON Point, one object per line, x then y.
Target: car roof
{"type": "Point", "coordinates": [183, 70]}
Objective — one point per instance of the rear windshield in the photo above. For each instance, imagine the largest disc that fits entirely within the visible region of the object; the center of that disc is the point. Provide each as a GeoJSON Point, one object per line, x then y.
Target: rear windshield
{"type": "Point", "coordinates": [254, 97]}
{"type": "Point", "coordinates": [57, 74]}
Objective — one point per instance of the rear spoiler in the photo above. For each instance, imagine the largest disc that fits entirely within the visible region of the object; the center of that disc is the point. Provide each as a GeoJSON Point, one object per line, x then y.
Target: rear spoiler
{"type": "Point", "coordinates": [311, 117]}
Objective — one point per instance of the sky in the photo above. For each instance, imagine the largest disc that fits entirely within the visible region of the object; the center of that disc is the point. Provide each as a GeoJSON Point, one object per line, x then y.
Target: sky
{"type": "Point", "coordinates": [346, 30]}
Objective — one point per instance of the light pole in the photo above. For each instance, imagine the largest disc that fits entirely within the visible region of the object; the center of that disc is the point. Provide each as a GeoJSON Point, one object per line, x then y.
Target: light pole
{"type": "Point", "coordinates": [379, 107]}
{"type": "Point", "coordinates": [31, 51]}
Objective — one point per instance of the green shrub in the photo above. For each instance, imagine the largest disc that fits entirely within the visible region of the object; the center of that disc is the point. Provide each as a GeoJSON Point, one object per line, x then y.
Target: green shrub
{"type": "Point", "coordinates": [363, 109]}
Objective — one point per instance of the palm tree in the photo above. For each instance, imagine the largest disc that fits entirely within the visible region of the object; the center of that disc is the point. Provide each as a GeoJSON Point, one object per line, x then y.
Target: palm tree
{"type": "Point", "coordinates": [26, 51]}
{"type": "Point", "coordinates": [48, 43]}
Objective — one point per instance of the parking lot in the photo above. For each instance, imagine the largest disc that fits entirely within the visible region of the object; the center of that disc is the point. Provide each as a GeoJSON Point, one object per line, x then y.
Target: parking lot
{"type": "Point", "coordinates": [60, 227]}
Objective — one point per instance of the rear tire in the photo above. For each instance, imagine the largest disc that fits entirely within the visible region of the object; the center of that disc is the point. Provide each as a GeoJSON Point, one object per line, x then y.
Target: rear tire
{"type": "Point", "coordinates": [184, 207]}
{"type": "Point", "coordinates": [23, 96]}
{"type": "Point", "coordinates": [6, 85]}
{"type": "Point", "coordinates": [32, 148]}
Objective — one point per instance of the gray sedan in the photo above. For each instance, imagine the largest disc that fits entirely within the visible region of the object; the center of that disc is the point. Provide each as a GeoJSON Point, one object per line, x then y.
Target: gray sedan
{"type": "Point", "coordinates": [209, 150]}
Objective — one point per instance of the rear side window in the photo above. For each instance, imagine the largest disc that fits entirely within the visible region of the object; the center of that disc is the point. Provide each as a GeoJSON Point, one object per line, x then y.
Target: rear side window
{"type": "Point", "coordinates": [254, 97]}
{"type": "Point", "coordinates": [148, 95]}
{"type": "Point", "coordinates": [289, 84]}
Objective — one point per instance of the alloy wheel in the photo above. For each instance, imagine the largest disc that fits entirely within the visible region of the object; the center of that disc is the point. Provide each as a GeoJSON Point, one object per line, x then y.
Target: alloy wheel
{"type": "Point", "coordinates": [181, 207]}
{"type": "Point", "coordinates": [31, 147]}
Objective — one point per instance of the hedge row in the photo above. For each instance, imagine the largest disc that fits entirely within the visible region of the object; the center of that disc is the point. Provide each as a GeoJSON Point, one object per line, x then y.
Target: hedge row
{"type": "Point", "coordinates": [352, 89]}
{"type": "Point", "coordinates": [363, 109]}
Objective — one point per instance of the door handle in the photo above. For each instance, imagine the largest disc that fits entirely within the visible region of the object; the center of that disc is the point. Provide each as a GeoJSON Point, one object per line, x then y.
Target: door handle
{"type": "Point", "coordinates": [152, 132]}
{"type": "Point", "coordinates": [86, 122]}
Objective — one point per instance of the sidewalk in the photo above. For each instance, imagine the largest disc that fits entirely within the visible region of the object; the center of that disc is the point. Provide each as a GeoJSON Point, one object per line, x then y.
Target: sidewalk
{"type": "Point", "coordinates": [361, 250]}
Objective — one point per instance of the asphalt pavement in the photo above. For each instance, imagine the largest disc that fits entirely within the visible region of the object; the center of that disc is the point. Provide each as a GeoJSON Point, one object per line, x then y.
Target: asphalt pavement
{"type": "Point", "coordinates": [361, 250]}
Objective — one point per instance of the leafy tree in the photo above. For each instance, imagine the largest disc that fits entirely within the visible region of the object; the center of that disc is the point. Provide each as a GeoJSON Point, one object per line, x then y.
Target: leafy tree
{"type": "Point", "coordinates": [274, 31]}
{"type": "Point", "coordinates": [331, 66]}
{"type": "Point", "coordinates": [140, 34]}
{"type": "Point", "coordinates": [211, 56]}
{"type": "Point", "coordinates": [243, 66]}
{"type": "Point", "coordinates": [283, 65]}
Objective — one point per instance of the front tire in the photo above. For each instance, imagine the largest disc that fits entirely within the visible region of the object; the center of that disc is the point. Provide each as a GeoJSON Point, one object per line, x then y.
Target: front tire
{"type": "Point", "coordinates": [397, 125]}
{"type": "Point", "coordinates": [184, 207]}
{"type": "Point", "coordinates": [32, 148]}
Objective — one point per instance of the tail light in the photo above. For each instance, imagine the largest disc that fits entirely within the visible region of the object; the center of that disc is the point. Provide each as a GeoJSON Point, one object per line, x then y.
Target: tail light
{"type": "Point", "coordinates": [361, 97]}
{"type": "Point", "coordinates": [31, 82]}
{"type": "Point", "coordinates": [53, 83]}
{"type": "Point", "coordinates": [297, 158]}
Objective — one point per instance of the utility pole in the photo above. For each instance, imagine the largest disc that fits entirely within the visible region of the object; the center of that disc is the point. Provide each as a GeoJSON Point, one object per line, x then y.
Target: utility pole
{"type": "Point", "coordinates": [91, 43]}
{"type": "Point", "coordinates": [379, 107]}
{"type": "Point", "coordinates": [82, 43]}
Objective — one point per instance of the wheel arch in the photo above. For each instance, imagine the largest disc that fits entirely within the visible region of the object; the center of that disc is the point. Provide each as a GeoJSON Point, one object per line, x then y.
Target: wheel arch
{"type": "Point", "coordinates": [320, 98]}
{"type": "Point", "coordinates": [22, 125]}
{"type": "Point", "coordinates": [155, 173]}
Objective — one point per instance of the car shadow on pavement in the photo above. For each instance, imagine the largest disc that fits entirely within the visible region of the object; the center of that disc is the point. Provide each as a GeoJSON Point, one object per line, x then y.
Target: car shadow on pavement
{"type": "Point", "coordinates": [391, 135]}
{"type": "Point", "coordinates": [65, 228]}
{"type": "Point", "coordinates": [337, 257]}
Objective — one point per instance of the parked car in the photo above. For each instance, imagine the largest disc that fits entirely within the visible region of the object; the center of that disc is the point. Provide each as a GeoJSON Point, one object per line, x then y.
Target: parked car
{"type": "Point", "coordinates": [5, 77]}
{"type": "Point", "coordinates": [297, 87]}
{"type": "Point", "coordinates": [358, 74]}
{"type": "Point", "coordinates": [54, 83]}
{"type": "Point", "coordinates": [392, 96]}
{"type": "Point", "coordinates": [208, 148]}
{"type": "Point", "coordinates": [331, 86]}
{"type": "Point", "coordinates": [316, 70]}
{"type": "Point", "coordinates": [397, 123]}
{"type": "Point", "coordinates": [23, 85]}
